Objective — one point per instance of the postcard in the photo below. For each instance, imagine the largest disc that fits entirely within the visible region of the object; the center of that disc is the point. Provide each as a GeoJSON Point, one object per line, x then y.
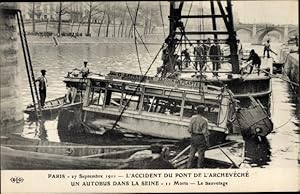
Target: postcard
{"type": "Point", "coordinates": [149, 96]}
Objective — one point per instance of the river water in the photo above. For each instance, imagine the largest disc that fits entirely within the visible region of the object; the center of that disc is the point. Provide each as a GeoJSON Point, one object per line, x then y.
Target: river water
{"type": "Point", "coordinates": [279, 149]}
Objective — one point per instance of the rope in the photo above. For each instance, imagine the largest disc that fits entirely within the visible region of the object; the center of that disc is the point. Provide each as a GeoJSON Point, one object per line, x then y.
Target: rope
{"type": "Point", "coordinates": [137, 31]}
{"type": "Point", "coordinates": [284, 123]}
{"type": "Point", "coordinates": [124, 108]}
{"type": "Point", "coordinates": [188, 14]}
{"type": "Point", "coordinates": [162, 19]}
{"type": "Point", "coordinates": [134, 32]}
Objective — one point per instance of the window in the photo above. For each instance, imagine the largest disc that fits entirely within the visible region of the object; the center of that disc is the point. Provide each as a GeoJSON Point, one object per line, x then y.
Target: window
{"type": "Point", "coordinates": [161, 105]}
{"type": "Point", "coordinates": [211, 112]}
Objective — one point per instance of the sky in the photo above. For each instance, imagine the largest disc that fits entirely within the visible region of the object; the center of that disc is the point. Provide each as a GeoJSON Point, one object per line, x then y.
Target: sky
{"type": "Point", "coordinates": [267, 11]}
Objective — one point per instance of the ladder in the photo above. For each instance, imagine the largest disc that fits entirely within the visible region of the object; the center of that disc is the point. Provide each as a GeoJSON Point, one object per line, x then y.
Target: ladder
{"type": "Point", "coordinates": [29, 69]}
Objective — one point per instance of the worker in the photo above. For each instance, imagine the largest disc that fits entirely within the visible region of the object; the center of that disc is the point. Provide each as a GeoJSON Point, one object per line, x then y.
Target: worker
{"type": "Point", "coordinates": [85, 70]}
{"type": "Point", "coordinates": [199, 137]}
{"type": "Point", "coordinates": [214, 55]}
{"type": "Point", "coordinates": [267, 48]}
{"type": "Point", "coordinates": [159, 161]}
{"type": "Point", "coordinates": [255, 61]}
{"type": "Point", "coordinates": [199, 53]}
{"type": "Point", "coordinates": [42, 87]}
{"type": "Point", "coordinates": [187, 58]}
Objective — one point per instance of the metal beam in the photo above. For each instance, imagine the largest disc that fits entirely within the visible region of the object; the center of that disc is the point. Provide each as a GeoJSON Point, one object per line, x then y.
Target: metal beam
{"type": "Point", "coordinates": [204, 32]}
{"type": "Point", "coordinates": [224, 16]}
{"type": "Point", "coordinates": [214, 24]}
{"type": "Point", "coordinates": [202, 16]}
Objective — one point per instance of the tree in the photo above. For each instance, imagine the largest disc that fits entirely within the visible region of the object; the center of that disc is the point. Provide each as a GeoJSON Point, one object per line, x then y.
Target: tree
{"type": "Point", "coordinates": [99, 29]}
{"type": "Point", "coordinates": [62, 10]}
{"type": "Point", "coordinates": [92, 10]}
{"type": "Point", "coordinates": [34, 12]}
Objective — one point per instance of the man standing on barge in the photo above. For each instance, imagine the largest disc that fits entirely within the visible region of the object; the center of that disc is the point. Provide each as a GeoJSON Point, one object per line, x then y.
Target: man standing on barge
{"type": "Point", "coordinates": [199, 137]}
{"type": "Point", "coordinates": [42, 87]}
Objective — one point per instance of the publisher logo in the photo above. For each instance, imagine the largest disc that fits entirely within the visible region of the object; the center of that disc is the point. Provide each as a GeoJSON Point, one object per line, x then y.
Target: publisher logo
{"type": "Point", "coordinates": [16, 179]}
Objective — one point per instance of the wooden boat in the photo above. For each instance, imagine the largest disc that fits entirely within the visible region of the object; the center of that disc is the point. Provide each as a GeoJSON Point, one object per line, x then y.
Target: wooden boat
{"type": "Point", "coordinates": [32, 154]}
{"type": "Point", "coordinates": [18, 153]}
{"type": "Point", "coordinates": [50, 109]}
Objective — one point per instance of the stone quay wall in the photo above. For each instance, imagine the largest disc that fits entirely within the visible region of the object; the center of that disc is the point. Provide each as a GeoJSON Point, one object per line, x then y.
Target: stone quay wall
{"type": "Point", "coordinates": [11, 106]}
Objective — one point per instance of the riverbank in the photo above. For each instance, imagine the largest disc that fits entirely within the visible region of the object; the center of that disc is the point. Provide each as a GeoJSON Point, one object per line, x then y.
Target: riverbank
{"type": "Point", "coordinates": [156, 39]}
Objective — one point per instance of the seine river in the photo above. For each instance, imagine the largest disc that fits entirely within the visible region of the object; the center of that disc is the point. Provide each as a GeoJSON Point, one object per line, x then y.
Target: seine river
{"type": "Point", "coordinates": [279, 149]}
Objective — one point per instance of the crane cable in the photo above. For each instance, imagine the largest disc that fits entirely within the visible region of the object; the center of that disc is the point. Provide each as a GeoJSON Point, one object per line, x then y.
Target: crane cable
{"type": "Point", "coordinates": [162, 19]}
{"type": "Point", "coordinates": [137, 30]}
{"type": "Point", "coordinates": [134, 32]}
{"type": "Point", "coordinates": [136, 89]}
{"type": "Point", "coordinates": [188, 14]}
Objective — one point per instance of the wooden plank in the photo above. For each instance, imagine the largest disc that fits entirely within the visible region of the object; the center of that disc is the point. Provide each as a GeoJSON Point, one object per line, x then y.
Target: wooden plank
{"type": "Point", "coordinates": [204, 32]}
{"type": "Point", "coordinates": [81, 146]}
{"type": "Point", "coordinates": [182, 104]}
{"type": "Point", "coordinates": [115, 154]}
{"type": "Point", "coordinates": [122, 97]}
{"type": "Point", "coordinates": [142, 99]}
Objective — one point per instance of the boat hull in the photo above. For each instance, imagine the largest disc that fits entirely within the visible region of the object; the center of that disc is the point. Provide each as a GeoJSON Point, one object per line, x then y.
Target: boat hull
{"type": "Point", "coordinates": [50, 110]}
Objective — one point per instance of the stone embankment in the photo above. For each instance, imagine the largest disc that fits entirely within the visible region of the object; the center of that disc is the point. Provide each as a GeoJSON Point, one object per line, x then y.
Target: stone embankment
{"type": "Point", "coordinates": [11, 105]}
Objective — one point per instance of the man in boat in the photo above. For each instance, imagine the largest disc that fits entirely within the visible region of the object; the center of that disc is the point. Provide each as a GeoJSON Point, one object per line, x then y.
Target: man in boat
{"type": "Point", "coordinates": [199, 137]}
{"type": "Point", "coordinates": [42, 86]}
{"type": "Point", "coordinates": [85, 70]}
{"type": "Point", "coordinates": [159, 160]}
{"type": "Point", "coordinates": [199, 53]}
{"type": "Point", "coordinates": [214, 55]}
{"type": "Point", "coordinates": [255, 61]}
{"type": "Point", "coordinates": [267, 48]}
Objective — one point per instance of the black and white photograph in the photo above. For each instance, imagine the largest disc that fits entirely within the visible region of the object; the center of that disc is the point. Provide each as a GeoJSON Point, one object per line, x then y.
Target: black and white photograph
{"type": "Point", "coordinates": [149, 96]}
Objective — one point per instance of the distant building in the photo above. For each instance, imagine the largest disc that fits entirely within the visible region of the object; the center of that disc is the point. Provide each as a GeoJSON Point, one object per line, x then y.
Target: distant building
{"type": "Point", "coordinates": [71, 11]}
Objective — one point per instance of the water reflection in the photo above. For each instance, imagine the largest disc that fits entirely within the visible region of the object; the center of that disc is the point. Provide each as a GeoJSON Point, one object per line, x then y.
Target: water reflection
{"type": "Point", "coordinates": [257, 151]}
{"type": "Point", "coordinates": [41, 132]}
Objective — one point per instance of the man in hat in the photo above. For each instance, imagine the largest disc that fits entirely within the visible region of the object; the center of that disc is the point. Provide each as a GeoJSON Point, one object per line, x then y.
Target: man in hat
{"type": "Point", "coordinates": [85, 70]}
{"type": "Point", "coordinates": [255, 61]}
{"type": "Point", "coordinates": [159, 160]}
{"type": "Point", "coordinates": [199, 56]}
{"type": "Point", "coordinates": [199, 137]}
{"type": "Point", "coordinates": [42, 86]}
{"type": "Point", "coordinates": [267, 48]}
{"type": "Point", "coordinates": [214, 54]}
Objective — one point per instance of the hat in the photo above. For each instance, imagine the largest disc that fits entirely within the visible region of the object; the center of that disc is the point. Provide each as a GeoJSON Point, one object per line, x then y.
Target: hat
{"type": "Point", "coordinates": [200, 108]}
{"type": "Point", "coordinates": [156, 148]}
{"type": "Point", "coordinates": [85, 61]}
{"type": "Point", "coordinates": [43, 70]}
